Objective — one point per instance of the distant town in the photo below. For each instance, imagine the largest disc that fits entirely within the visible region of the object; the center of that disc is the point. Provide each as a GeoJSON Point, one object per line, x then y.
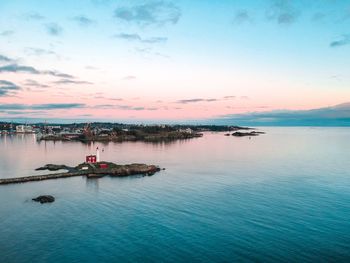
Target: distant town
{"type": "Point", "coordinates": [99, 131]}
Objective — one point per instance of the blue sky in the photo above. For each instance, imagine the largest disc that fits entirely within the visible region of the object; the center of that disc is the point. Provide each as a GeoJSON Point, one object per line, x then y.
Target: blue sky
{"type": "Point", "coordinates": [123, 60]}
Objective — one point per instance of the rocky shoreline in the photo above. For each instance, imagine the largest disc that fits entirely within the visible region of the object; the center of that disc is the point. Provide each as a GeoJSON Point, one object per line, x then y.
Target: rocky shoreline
{"type": "Point", "coordinates": [89, 170]}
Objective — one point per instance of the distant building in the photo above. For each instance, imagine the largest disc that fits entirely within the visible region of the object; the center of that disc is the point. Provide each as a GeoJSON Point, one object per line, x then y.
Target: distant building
{"type": "Point", "coordinates": [24, 129]}
{"type": "Point", "coordinates": [187, 130]}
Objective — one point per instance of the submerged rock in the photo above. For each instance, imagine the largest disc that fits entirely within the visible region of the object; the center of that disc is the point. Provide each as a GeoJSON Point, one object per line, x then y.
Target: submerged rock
{"type": "Point", "coordinates": [44, 199]}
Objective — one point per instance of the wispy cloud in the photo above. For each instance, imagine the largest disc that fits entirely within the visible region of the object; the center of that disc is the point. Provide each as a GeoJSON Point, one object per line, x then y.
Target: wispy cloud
{"type": "Point", "coordinates": [150, 13]}
{"type": "Point", "coordinates": [15, 68]}
{"type": "Point", "coordinates": [319, 16]}
{"type": "Point", "coordinates": [5, 59]}
{"type": "Point", "coordinates": [6, 33]}
{"type": "Point", "coordinates": [130, 77]}
{"type": "Point", "coordinates": [345, 40]}
{"type": "Point", "coordinates": [54, 29]}
{"type": "Point", "coordinates": [147, 52]}
{"type": "Point", "coordinates": [283, 12]}
{"type": "Point", "coordinates": [186, 101]}
{"type": "Point", "coordinates": [70, 81]}
{"type": "Point", "coordinates": [124, 107]}
{"type": "Point", "coordinates": [8, 88]}
{"type": "Point", "coordinates": [137, 37]}
{"type": "Point", "coordinates": [47, 106]}
{"type": "Point", "coordinates": [35, 84]}
{"type": "Point", "coordinates": [39, 51]}
{"type": "Point", "coordinates": [34, 16]}
{"type": "Point", "coordinates": [83, 20]}
{"type": "Point", "coordinates": [195, 100]}
{"type": "Point", "coordinates": [336, 115]}
{"type": "Point", "coordinates": [241, 16]}
{"type": "Point", "coordinates": [91, 67]}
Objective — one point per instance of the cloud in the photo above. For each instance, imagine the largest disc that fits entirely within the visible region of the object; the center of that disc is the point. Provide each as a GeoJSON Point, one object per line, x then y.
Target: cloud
{"type": "Point", "coordinates": [48, 106]}
{"type": "Point", "coordinates": [195, 100]}
{"type": "Point", "coordinates": [129, 77]}
{"type": "Point", "coordinates": [345, 40]}
{"type": "Point", "coordinates": [6, 33]}
{"type": "Point", "coordinates": [137, 37]}
{"type": "Point", "coordinates": [35, 84]}
{"type": "Point", "coordinates": [83, 20]}
{"type": "Point", "coordinates": [150, 13]}
{"type": "Point", "coordinates": [5, 59]}
{"type": "Point", "coordinates": [91, 68]}
{"type": "Point", "coordinates": [338, 115]}
{"type": "Point", "coordinates": [318, 17]}
{"type": "Point", "coordinates": [128, 107]}
{"type": "Point", "coordinates": [8, 88]}
{"type": "Point", "coordinates": [34, 16]}
{"type": "Point", "coordinates": [18, 68]}
{"type": "Point", "coordinates": [55, 106]}
{"type": "Point", "coordinates": [15, 68]}
{"type": "Point", "coordinates": [54, 29]}
{"type": "Point", "coordinates": [186, 101]}
{"type": "Point", "coordinates": [123, 107]}
{"type": "Point", "coordinates": [149, 52]}
{"type": "Point", "coordinates": [70, 81]}
{"type": "Point", "coordinates": [39, 51]}
{"type": "Point", "coordinates": [282, 12]}
{"type": "Point", "coordinates": [241, 17]}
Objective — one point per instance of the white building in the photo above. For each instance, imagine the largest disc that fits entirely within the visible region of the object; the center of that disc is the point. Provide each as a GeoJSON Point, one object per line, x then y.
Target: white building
{"type": "Point", "coordinates": [24, 129]}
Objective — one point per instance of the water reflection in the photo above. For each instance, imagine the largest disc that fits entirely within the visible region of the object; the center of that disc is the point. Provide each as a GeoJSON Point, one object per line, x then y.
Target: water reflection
{"type": "Point", "coordinates": [93, 184]}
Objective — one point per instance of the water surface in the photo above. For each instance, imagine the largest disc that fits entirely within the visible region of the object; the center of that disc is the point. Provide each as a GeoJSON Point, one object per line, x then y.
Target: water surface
{"type": "Point", "coordinates": [283, 196]}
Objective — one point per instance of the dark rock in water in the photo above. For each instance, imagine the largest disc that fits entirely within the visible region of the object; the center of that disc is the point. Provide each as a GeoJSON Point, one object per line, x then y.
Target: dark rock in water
{"type": "Point", "coordinates": [227, 134]}
{"type": "Point", "coordinates": [242, 134]}
{"type": "Point", "coordinates": [54, 167]}
{"type": "Point", "coordinates": [44, 199]}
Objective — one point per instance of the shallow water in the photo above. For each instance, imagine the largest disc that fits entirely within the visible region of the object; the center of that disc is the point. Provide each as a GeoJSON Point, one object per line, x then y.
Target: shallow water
{"type": "Point", "coordinates": [283, 196]}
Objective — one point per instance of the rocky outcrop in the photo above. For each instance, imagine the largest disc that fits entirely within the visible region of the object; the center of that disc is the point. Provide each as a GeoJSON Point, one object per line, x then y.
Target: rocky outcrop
{"type": "Point", "coordinates": [44, 199]}
{"type": "Point", "coordinates": [54, 167]}
{"type": "Point", "coordinates": [242, 134]}
{"type": "Point", "coordinates": [135, 168]}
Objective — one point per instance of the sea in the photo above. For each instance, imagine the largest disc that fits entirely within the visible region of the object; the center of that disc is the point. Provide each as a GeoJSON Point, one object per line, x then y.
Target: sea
{"type": "Point", "coordinates": [279, 197]}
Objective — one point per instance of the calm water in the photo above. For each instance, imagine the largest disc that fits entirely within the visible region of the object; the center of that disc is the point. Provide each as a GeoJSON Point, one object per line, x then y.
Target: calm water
{"type": "Point", "coordinates": [283, 196]}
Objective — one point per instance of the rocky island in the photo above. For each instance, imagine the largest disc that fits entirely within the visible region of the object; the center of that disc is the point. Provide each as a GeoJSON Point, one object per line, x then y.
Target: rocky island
{"type": "Point", "coordinates": [109, 132]}
{"type": "Point", "coordinates": [42, 199]}
{"type": "Point", "coordinates": [90, 170]}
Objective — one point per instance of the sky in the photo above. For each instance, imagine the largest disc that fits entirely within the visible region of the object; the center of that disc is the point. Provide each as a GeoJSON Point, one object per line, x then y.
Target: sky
{"type": "Point", "coordinates": [171, 60]}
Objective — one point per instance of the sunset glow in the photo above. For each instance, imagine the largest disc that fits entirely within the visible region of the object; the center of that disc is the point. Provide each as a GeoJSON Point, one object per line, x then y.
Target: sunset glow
{"type": "Point", "coordinates": [159, 60]}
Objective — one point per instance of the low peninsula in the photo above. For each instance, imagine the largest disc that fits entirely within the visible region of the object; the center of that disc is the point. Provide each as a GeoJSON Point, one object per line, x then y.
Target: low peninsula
{"type": "Point", "coordinates": [89, 170]}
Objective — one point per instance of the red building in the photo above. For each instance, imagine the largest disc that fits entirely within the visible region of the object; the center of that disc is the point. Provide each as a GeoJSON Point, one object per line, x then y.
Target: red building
{"type": "Point", "coordinates": [103, 166]}
{"type": "Point", "coordinates": [91, 158]}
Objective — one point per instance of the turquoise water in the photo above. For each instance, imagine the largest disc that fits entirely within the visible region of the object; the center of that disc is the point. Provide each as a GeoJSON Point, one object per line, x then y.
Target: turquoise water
{"type": "Point", "coordinates": [279, 197]}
